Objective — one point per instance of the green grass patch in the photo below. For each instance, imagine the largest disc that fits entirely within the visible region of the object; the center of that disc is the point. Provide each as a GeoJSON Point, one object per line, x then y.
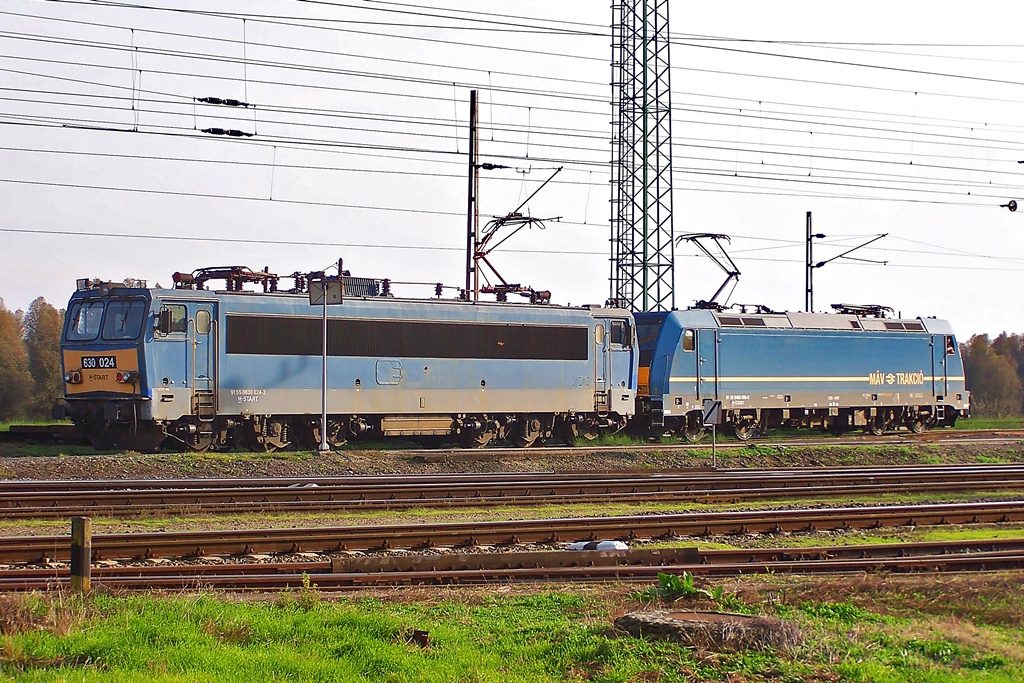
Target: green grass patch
{"type": "Point", "coordinates": [1016, 422]}
{"type": "Point", "coordinates": [545, 637]}
{"type": "Point", "coordinates": [477, 636]}
{"type": "Point", "coordinates": [6, 426]}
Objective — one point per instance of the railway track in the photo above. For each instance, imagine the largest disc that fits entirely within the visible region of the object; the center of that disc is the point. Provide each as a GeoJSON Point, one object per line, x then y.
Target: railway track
{"type": "Point", "coordinates": [67, 434]}
{"type": "Point", "coordinates": [43, 549]}
{"type": "Point", "coordinates": [27, 499]}
{"type": "Point", "coordinates": [553, 566]}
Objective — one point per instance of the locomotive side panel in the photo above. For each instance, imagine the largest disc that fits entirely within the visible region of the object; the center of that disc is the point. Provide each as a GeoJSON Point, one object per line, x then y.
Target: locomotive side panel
{"type": "Point", "coordinates": [272, 364]}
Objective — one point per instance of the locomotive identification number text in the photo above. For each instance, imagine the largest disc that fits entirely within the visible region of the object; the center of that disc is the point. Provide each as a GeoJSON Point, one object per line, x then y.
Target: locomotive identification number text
{"type": "Point", "coordinates": [248, 395]}
{"type": "Point", "coordinates": [99, 362]}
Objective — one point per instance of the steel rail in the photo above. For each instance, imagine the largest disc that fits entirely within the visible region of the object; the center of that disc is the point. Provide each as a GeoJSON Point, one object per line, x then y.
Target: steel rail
{"type": "Point", "coordinates": [497, 533]}
{"type": "Point", "coordinates": [483, 478]}
{"type": "Point", "coordinates": [68, 434]}
{"type": "Point", "coordinates": [485, 568]}
{"type": "Point", "coordinates": [41, 499]}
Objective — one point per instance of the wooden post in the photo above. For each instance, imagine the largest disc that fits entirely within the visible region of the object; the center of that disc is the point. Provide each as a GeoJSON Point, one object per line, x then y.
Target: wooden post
{"type": "Point", "coordinates": [81, 554]}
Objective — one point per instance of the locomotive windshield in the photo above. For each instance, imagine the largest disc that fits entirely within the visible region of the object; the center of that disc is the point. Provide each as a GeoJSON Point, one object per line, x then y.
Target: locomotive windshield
{"type": "Point", "coordinates": [84, 321]}
{"type": "Point", "coordinates": [124, 319]}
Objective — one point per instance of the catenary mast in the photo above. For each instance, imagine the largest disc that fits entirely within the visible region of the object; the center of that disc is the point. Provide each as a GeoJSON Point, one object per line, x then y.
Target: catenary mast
{"type": "Point", "coordinates": [642, 249]}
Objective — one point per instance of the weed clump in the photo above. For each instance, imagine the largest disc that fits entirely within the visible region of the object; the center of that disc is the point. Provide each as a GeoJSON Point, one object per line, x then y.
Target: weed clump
{"type": "Point", "coordinates": [673, 588]}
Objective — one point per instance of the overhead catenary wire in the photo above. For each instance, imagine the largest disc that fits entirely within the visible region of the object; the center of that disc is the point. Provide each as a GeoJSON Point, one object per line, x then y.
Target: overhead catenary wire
{"type": "Point", "coordinates": [110, 3]}
{"type": "Point", "coordinates": [689, 142]}
{"type": "Point", "coordinates": [416, 247]}
{"type": "Point", "coordinates": [724, 113]}
{"type": "Point", "coordinates": [919, 180]}
{"type": "Point", "coordinates": [752, 176]}
{"type": "Point", "coordinates": [462, 67]}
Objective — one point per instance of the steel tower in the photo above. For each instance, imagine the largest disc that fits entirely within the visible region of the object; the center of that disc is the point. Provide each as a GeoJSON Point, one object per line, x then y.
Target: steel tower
{"type": "Point", "coordinates": [642, 248]}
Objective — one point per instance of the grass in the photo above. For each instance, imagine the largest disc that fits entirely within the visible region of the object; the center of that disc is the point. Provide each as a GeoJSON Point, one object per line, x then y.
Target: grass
{"type": "Point", "coordinates": [6, 426]}
{"type": "Point", "coordinates": [875, 537]}
{"type": "Point", "coordinates": [991, 423]}
{"type": "Point", "coordinates": [507, 634]}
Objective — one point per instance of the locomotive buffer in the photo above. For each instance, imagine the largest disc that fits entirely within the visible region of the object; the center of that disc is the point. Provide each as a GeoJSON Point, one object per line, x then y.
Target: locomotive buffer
{"type": "Point", "coordinates": [324, 291]}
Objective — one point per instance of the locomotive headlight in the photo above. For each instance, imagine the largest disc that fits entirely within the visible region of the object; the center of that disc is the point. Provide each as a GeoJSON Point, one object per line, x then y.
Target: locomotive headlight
{"type": "Point", "coordinates": [126, 376]}
{"type": "Point", "coordinates": [73, 377]}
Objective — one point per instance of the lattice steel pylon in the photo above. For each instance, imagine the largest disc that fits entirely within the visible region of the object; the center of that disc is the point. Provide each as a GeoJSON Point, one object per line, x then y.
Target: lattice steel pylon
{"type": "Point", "coordinates": [642, 247]}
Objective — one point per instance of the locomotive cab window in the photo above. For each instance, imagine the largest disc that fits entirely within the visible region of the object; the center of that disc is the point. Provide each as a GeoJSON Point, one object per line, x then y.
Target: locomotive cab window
{"type": "Point", "coordinates": [203, 322]}
{"type": "Point", "coordinates": [84, 321]}
{"type": "Point", "coordinates": [599, 334]}
{"type": "Point", "coordinates": [173, 319]}
{"type": "Point", "coordinates": [124, 319]}
{"type": "Point", "coordinates": [950, 346]}
{"type": "Point", "coordinates": [619, 333]}
{"type": "Point", "coordinates": [688, 340]}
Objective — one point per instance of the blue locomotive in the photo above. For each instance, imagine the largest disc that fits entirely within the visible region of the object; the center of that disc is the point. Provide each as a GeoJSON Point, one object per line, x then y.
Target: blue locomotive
{"type": "Point", "coordinates": [850, 369]}
{"type": "Point", "coordinates": [205, 369]}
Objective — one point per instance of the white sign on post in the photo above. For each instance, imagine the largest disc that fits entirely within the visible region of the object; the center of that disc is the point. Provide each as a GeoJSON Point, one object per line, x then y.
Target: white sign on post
{"type": "Point", "coordinates": [323, 292]}
{"type": "Point", "coordinates": [335, 292]}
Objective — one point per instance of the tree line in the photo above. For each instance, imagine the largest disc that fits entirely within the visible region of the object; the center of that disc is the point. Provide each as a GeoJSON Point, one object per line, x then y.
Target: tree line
{"type": "Point", "coordinates": [995, 374]}
{"type": "Point", "coordinates": [31, 379]}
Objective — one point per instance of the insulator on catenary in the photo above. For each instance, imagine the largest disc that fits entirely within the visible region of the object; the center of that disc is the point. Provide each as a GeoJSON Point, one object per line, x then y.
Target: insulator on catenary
{"type": "Point", "coordinates": [223, 101]}
{"type": "Point", "coordinates": [231, 132]}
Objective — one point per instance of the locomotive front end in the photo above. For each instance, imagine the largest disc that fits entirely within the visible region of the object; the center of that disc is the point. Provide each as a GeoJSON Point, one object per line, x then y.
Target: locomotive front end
{"type": "Point", "coordinates": [101, 350]}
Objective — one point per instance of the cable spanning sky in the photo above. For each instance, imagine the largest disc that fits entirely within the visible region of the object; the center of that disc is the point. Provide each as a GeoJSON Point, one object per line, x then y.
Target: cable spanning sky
{"type": "Point", "coordinates": [142, 138]}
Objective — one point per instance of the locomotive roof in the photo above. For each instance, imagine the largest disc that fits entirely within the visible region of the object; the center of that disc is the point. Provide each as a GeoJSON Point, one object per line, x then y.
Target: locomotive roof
{"type": "Point", "coordinates": [831, 321]}
{"type": "Point", "coordinates": [801, 321]}
{"type": "Point", "coordinates": [163, 293]}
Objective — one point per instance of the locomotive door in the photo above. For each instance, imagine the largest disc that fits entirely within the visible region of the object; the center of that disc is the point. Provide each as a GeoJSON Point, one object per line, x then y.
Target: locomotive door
{"type": "Point", "coordinates": [941, 346]}
{"type": "Point", "coordinates": [707, 364]}
{"type": "Point", "coordinates": [618, 370]}
{"type": "Point", "coordinates": [201, 358]}
{"type": "Point", "coordinates": [602, 362]}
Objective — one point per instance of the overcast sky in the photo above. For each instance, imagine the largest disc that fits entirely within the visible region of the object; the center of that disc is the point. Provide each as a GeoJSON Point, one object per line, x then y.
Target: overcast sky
{"type": "Point", "coordinates": [907, 122]}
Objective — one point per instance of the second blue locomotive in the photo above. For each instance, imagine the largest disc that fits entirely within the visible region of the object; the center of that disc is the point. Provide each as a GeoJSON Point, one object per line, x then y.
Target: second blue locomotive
{"type": "Point", "coordinates": [840, 371]}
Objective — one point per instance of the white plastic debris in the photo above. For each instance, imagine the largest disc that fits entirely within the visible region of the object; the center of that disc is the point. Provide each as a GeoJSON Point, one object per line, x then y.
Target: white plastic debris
{"type": "Point", "coordinates": [598, 545]}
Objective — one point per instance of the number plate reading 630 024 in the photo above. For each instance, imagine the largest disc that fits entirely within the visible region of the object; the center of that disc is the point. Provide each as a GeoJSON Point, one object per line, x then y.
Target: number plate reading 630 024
{"type": "Point", "coordinates": [99, 363]}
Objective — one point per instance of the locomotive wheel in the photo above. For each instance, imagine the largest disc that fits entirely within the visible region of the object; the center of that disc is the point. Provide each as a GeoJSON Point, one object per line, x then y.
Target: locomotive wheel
{"type": "Point", "coordinates": [693, 430]}
{"type": "Point", "coordinates": [105, 438]}
{"type": "Point", "coordinates": [309, 434]}
{"type": "Point", "coordinates": [526, 432]}
{"type": "Point", "coordinates": [200, 443]}
{"type": "Point", "coordinates": [878, 425]}
{"type": "Point", "coordinates": [747, 429]}
{"type": "Point", "coordinates": [585, 430]}
{"type": "Point", "coordinates": [918, 423]}
{"type": "Point", "coordinates": [477, 439]}
{"type": "Point", "coordinates": [147, 439]}
{"type": "Point", "coordinates": [266, 436]}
